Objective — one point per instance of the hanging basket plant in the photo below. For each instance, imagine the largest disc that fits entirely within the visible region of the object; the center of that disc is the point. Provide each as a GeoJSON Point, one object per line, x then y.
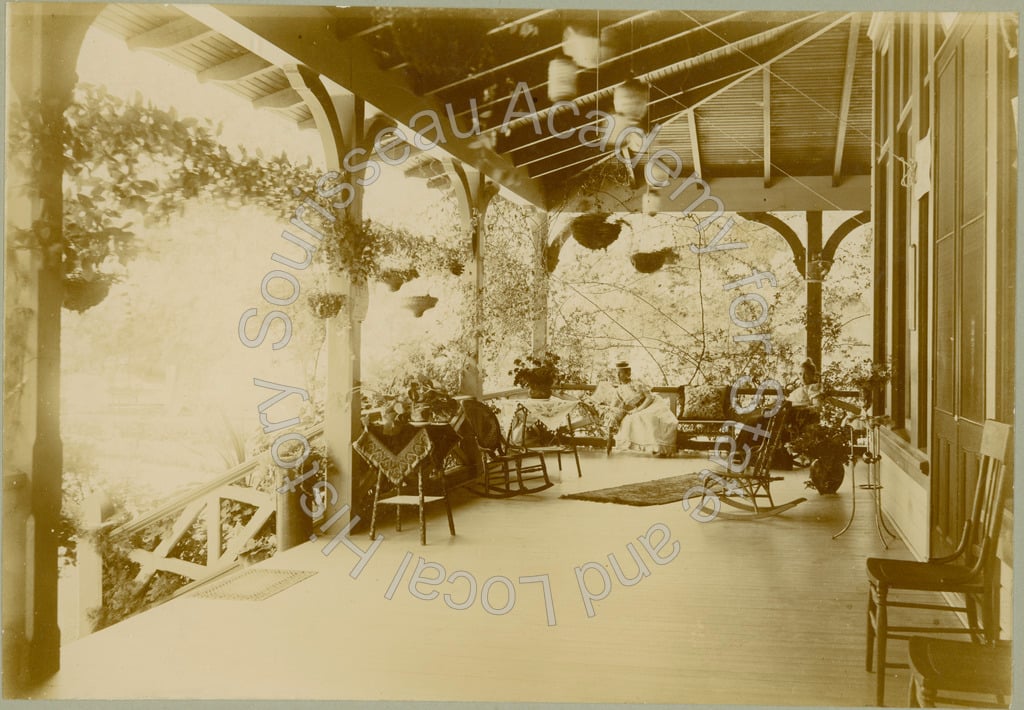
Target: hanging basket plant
{"type": "Point", "coordinates": [419, 305]}
{"type": "Point", "coordinates": [325, 304]}
{"type": "Point", "coordinates": [81, 293]}
{"type": "Point", "coordinates": [647, 262]}
{"type": "Point", "coordinates": [595, 231]}
{"type": "Point", "coordinates": [394, 278]}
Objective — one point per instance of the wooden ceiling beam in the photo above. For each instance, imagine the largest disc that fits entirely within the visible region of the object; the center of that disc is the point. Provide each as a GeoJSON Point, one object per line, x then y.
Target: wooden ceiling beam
{"type": "Point", "coordinates": [314, 36]}
{"type": "Point", "coordinates": [691, 122]}
{"type": "Point", "coordinates": [285, 98]}
{"type": "Point", "coordinates": [235, 69]}
{"type": "Point", "coordinates": [844, 104]}
{"type": "Point", "coordinates": [766, 112]}
{"type": "Point", "coordinates": [183, 30]}
{"type": "Point", "coordinates": [718, 69]}
{"type": "Point", "coordinates": [728, 72]}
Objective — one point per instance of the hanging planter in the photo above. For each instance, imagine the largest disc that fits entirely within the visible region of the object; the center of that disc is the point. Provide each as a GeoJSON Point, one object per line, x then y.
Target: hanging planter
{"type": "Point", "coordinates": [585, 48]}
{"type": "Point", "coordinates": [81, 294]}
{"type": "Point", "coordinates": [395, 278]}
{"type": "Point", "coordinates": [647, 262]}
{"type": "Point", "coordinates": [324, 304]}
{"type": "Point", "coordinates": [419, 304]}
{"type": "Point", "coordinates": [561, 79]}
{"type": "Point", "coordinates": [630, 100]}
{"type": "Point", "coordinates": [594, 231]}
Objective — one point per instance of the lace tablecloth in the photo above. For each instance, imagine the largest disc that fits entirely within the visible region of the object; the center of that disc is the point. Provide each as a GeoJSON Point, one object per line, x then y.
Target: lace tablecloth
{"type": "Point", "coordinates": [550, 412]}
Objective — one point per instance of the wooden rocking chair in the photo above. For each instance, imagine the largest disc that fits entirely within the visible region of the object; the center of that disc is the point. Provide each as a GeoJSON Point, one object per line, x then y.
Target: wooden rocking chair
{"type": "Point", "coordinates": [504, 470]}
{"type": "Point", "coordinates": [742, 489]}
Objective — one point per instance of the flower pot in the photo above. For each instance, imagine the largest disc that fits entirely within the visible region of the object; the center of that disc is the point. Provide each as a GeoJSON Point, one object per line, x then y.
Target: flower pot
{"type": "Point", "coordinates": [594, 231]}
{"type": "Point", "coordinates": [827, 475]}
{"type": "Point", "coordinates": [81, 294]}
{"type": "Point", "coordinates": [419, 304]}
{"type": "Point", "coordinates": [540, 391]}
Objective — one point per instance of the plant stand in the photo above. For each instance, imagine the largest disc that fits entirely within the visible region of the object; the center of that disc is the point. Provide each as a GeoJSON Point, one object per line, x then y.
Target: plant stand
{"type": "Point", "coordinates": [872, 458]}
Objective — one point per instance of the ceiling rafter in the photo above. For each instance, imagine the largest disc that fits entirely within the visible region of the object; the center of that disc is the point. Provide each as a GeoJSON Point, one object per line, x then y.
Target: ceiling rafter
{"type": "Point", "coordinates": [766, 113]}
{"type": "Point", "coordinates": [313, 36]}
{"type": "Point", "coordinates": [242, 67]}
{"type": "Point", "coordinates": [169, 35]}
{"type": "Point", "coordinates": [734, 78]}
{"type": "Point", "coordinates": [691, 122]}
{"type": "Point", "coordinates": [735, 69]}
{"type": "Point", "coordinates": [722, 60]}
{"type": "Point", "coordinates": [844, 104]}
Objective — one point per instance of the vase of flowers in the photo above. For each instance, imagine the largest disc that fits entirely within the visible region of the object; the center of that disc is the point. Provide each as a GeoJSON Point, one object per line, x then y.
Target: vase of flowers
{"type": "Point", "coordinates": [537, 374]}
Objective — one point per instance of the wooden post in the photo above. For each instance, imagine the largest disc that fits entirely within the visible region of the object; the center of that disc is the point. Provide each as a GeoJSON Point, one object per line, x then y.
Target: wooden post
{"type": "Point", "coordinates": [813, 289]}
{"type": "Point", "coordinates": [339, 120]}
{"type": "Point", "coordinates": [95, 511]}
{"type": "Point", "coordinates": [540, 223]}
{"type": "Point", "coordinates": [44, 44]}
{"type": "Point", "coordinates": [474, 193]}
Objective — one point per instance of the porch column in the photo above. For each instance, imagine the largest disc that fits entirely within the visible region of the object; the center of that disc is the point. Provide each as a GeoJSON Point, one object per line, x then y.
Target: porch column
{"type": "Point", "coordinates": [44, 44]}
{"type": "Point", "coordinates": [813, 289]}
{"type": "Point", "coordinates": [339, 120]}
{"type": "Point", "coordinates": [474, 193]}
{"type": "Point", "coordinates": [540, 225]}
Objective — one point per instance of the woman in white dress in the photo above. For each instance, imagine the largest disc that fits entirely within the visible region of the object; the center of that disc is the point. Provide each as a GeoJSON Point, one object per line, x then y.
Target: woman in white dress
{"type": "Point", "coordinates": [641, 420]}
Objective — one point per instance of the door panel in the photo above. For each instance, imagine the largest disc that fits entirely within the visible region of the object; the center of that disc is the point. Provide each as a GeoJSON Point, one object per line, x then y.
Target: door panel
{"type": "Point", "coordinates": [959, 285]}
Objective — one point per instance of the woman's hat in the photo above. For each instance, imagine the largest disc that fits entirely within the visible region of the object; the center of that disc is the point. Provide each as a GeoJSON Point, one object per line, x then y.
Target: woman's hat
{"type": "Point", "coordinates": [622, 365]}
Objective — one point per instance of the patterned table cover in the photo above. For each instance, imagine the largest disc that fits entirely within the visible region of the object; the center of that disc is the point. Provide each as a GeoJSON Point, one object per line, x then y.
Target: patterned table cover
{"type": "Point", "coordinates": [400, 454]}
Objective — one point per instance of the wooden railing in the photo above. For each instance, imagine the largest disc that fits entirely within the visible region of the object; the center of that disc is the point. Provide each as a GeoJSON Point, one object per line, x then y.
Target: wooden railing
{"type": "Point", "coordinates": [187, 508]}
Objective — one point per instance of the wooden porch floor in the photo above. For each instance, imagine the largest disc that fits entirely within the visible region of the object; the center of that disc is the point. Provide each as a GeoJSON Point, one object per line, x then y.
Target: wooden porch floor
{"type": "Point", "coordinates": [768, 612]}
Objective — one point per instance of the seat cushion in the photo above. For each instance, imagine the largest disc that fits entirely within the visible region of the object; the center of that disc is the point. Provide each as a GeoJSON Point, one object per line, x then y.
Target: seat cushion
{"type": "Point", "coordinates": [705, 402]}
{"type": "Point", "coordinates": [924, 576]}
{"type": "Point", "coordinates": [961, 666]}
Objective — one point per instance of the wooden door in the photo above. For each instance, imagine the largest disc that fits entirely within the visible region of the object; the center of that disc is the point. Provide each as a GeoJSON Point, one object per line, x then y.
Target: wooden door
{"type": "Point", "coordinates": [959, 384]}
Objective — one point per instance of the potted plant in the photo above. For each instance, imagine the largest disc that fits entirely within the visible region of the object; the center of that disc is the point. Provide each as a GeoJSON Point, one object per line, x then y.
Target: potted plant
{"type": "Point", "coordinates": [828, 448]}
{"type": "Point", "coordinates": [537, 374]}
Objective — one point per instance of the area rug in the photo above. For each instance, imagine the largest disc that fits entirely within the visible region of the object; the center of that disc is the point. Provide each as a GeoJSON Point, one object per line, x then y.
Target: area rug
{"type": "Point", "coordinates": [254, 585]}
{"type": "Point", "coordinates": [656, 492]}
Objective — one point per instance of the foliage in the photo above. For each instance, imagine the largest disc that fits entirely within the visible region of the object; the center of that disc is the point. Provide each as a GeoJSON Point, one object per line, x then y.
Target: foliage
{"type": "Point", "coordinates": [128, 162]}
{"type": "Point", "coordinates": [537, 372]}
{"type": "Point", "coordinates": [325, 304]}
{"type": "Point", "coordinates": [822, 441]}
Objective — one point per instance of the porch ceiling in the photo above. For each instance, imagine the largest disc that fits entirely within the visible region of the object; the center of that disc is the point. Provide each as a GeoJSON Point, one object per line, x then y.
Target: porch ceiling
{"type": "Point", "coordinates": [783, 97]}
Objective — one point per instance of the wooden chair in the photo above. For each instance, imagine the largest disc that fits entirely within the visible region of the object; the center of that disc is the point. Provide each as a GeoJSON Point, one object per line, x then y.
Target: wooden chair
{"type": "Point", "coordinates": [558, 442]}
{"type": "Point", "coordinates": [504, 471]}
{"type": "Point", "coordinates": [741, 489]}
{"type": "Point", "coordinates": [944, 666]}
{"type": "Point", "coordinates": [972, 571]}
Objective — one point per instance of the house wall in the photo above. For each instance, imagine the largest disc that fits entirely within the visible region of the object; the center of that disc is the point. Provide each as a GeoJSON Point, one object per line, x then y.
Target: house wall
{"type": "Point", "coordinates": [945, 259]}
